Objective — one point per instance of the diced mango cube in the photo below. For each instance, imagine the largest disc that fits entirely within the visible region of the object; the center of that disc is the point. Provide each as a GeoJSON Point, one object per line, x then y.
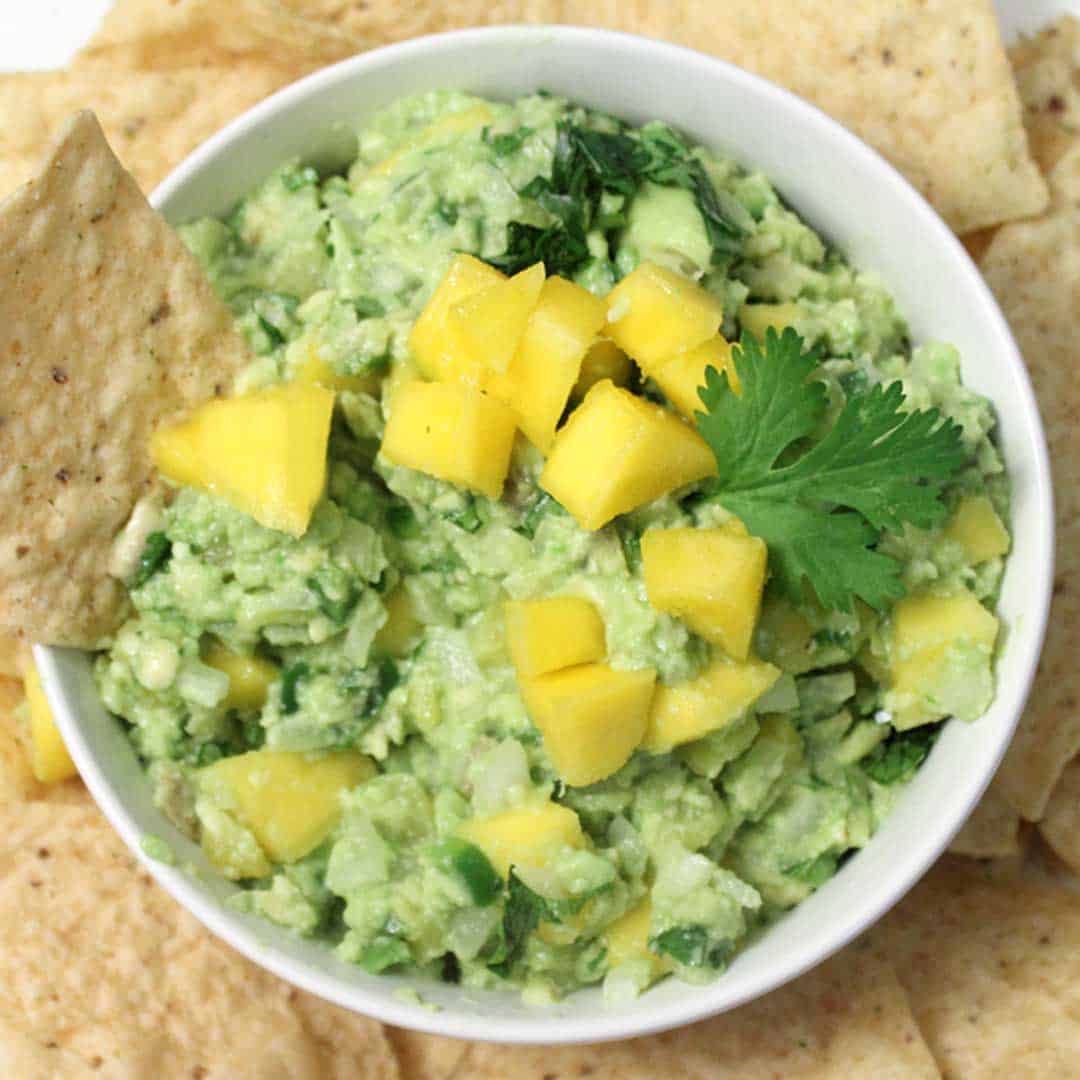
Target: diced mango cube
{"type": "Point", "coordinates": [451, 431]}
{"type": "Point", "coordinates": [557, 632]}
{"type": "Point", "coordinates": [290, 801]}
{"type": "Point", "coordinates": [680, 376]}
{"type": "Point", "coordinates": [439, 353]}
{"type": "Point", "coordinates": [230, 846]}
{"type": "Point", "coordinates": [941, 657]}
{"type": "Point", "coordinates": [489, 323]}
{"type": "Point", "coordinates": [603, 360]}
{"type": "Point", "coordinates": [618, 451]}
{"type": "Point", "coordinates": [545, 367]}
{"type": "Point", "coordinates": [757, 318]}
{"type": "Point", "coordinates": [528, 836]}
{"type": "Point", "coordinates": [719, 695]}
{"type": "Point", "coordinates": [592, 717]}
{"type": "Point", "coordinates": [314, 369]}
{"type": "Point", "coordinates": [627, 938]}
{"type": "Point", "coordinates": [712, 579]}
{"type": "Point", "coordinates": [249, 676]}
{"type": "Point", "coordinates": [398, 634]}
{"type": "Point", "coordinates": [474, 117]}
{"type": "Point", "coordinates": [976, 527]}
{"type": "Point", "coordinates": [50, 761]}
{"type": "Point", "coordinates": [655, 313]}
{"type": "Point", "coordinates": [264, 453]}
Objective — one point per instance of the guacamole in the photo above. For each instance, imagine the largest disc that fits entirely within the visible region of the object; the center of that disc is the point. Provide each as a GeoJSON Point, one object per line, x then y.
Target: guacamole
{"type": "Point", "coordinates": [367, 659]}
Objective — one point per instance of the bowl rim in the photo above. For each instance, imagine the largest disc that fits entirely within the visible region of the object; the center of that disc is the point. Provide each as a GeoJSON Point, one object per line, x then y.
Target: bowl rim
{"type": "Point", "coordinates": [386, 1005]}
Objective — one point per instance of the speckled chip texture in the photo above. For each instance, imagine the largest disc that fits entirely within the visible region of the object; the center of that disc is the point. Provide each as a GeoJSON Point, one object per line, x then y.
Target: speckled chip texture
{"type": "Point", "coordinates": [107, 327]}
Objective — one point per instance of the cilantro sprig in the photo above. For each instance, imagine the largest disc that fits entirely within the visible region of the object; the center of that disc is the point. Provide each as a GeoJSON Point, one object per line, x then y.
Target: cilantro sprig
{"type": "Point", "coordinates": [821, 507]}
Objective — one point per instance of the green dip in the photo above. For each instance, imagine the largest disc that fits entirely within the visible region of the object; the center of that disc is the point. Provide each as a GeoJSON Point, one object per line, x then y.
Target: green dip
{"type": "Point", "coordinates": [722, 834]}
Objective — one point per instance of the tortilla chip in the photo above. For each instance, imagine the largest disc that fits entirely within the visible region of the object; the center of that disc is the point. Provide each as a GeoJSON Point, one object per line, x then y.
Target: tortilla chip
{"type": "Point", "coordinates": [927, 83]}
{"type": "Point", "coordinates": [158, 35]}
{"type": "Point", "coordinates": [108, 327]}
{"type": "Point", "coordinates": [98, 961]}
{"type": "Point", "coordinates": [1047, 69]}
{"type": "Point", "coordinates": [992, 971]}
{"type": "Point", "coordinates": [152, 120]}
{"type": "Point", "coordinates": [1064, 180]}
{"type": "Point", "coordinates": [993, 830]}
{"type": "Point", "coordinates": [11, 656]}
{"type": "Point", "coordinates": [848, 1017]}
{"type": "Point", "coordinates": [427, 1057]}
{"type": "Point", "coordinates": [1034, 270]}
{"type": "Point", "coordinates": [1060, 827]}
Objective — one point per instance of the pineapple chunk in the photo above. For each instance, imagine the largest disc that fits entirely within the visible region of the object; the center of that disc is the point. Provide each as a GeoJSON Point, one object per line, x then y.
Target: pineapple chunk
{"type": "Point", "coordinates": [489, 324]}
{"type": "Point", "coordinates": [451, 431]}
{"type": "Point", "coordinates": [528, 836]}
{"type": "Point", "coordinates": [476, 117]}
{"type": "Point", "coordinates": [627, 938]}
{"type": "Point", "coordinates": [49, 760]}
{"type": "Point", "coordinates": [249, 676]}
{"type": "Point", "coordinates": [618, 451]}
{"type": "Point", "coordinates": [604, 360]}
{"type": "Point", "coordinates": [592, 717]}
{"type": "Point", "coordinates": [942, 649]}
{"type": "Point", "coordinates": [720, 694]}
{"type": "Point", "coordinates": [710, 578]}
{"type": "Point", "coordinates": [681, 375]}
{"type": "Point", "coordinates": [289, 801]}
{"type": "Point", "coordinates": [654, 313]}
{"type": "Point", "coordinates": [314, 369]}
{"type": "Point", "coordinates": [757, 318]}
{"type": "Point", "coordinates": [977, 528]}
{"type": "Point", "coordinates": [397, 635]}
{"type": "Point", "coordinates": [545, 367]}
{"type": "Point", "coordinates": [439, 353]}
{"type": "Point", "coordinates": [546, 635]}
{"type": "Point", "coordinates": [264, 453]}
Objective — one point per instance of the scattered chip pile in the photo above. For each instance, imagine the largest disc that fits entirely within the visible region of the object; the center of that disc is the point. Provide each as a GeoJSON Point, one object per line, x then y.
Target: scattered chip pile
{"type": "Point", "coordinates": [976, 974]}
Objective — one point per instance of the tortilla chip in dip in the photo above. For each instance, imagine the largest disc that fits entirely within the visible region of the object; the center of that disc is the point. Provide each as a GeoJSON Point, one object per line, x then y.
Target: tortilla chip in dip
{"type": "Point", "coordinates": [108, 327]}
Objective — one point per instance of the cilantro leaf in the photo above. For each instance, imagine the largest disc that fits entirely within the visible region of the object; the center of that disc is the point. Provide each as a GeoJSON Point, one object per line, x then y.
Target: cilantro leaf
{"type": "Point", "coordinates": [154, 556]}
{"type": "Point", "coordinates": [521, 916]}
{"type": "Point", "coordinates": [896, 759]}
{"type": "Point", "coordinates": [821, 509]}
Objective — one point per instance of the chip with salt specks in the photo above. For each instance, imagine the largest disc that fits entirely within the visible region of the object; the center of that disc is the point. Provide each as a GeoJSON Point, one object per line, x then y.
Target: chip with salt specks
{"type": "Point", "coordinates": [992, 831]}
{"type": "Point", "coordinates": [1034, 270]}
{"type": "Point", "coordinates": [1060, 827]}
{"type": "Point", "coordinates": [926, 82]}
{"type": "Point", "coordinates": [108, 327]}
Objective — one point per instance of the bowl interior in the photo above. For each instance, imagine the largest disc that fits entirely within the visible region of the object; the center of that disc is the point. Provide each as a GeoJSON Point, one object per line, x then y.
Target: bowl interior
{"type": "Point", "coordinates": [860, 204]}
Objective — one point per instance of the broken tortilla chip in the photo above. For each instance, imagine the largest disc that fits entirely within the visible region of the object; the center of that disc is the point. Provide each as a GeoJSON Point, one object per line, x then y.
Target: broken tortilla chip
{"type": "Point", "coordinates": [926, 83]}
{"type": "Point", "coordinates": [108, 327]}
{"type": "Point", "coordinates": [992, 970]}
{"type": "Point", "coordinates": [1034, 270]}
{"type": "Point", "coordinates": [1060, 827]}
{"type": "Point", "coordinates": [992, 831]}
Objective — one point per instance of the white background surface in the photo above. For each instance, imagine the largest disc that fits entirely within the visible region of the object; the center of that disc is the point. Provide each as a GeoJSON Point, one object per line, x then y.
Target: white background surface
{"type": "Point", "coordinates": [46, 33]}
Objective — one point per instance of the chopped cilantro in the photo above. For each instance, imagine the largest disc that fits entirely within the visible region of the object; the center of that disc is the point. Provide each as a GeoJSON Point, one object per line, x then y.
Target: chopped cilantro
{"type": "Point", "coordinates": [897, 758]}
{"type": "Point", "coordinates": [822, 511]}
{"type": "Point", "coordinates": [333, 608]}
{"type": "Point", "coordinates": [155, 556]}
{"type": "Point", "coordinates": [367, 307]}
{"type": "Point", "coordinates": [290, 681]}
{"type": "Point", "coordinates": [521, 916]}
{"type": "Point", "coordinates": [692, 947]}
{"type": "Point", "coordinates": [510, 142]}
{"type": "Point", "coordinates": [299, 177]}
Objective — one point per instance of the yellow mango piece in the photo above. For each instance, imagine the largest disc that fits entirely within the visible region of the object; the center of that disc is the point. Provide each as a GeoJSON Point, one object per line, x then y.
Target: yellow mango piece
{"type": "Point", "coordinates": [249, 676]}
{"type": "Point", "coordinates": [627, 938]}
{"type": "Point", "coordinates": [50, 761]}
{"type": "Point", "coordinates": [290, 801]}
{"type": "Point", "coordinates": [618, 451]}
{"type": "Point", "coordinates": [397, 635]}
{"type": "Point", "coordinates": [545, 367]}
{"type": "Point", "coordinates": [527, 836]}
{"type": "Point", "coordinates": [451, 431]}
{"type": "Point", "coordinates": [592, 717]}
{"type": "Point", "coordinates": [926, 629]}
{"type": "Point", "coordinates": [232, 848]}
{"type": "Point", "coordinates": [654, 313]}
{"type": "Point", "coordinates": [604, 360]}
{"type": "Point", "coordinates": [976, 527]}
{"type": "Point", "coordinates": [314, 369]}
{"type": "Point", "coordinates": [720, 694]}
{"type": "Point", "coordinates": [682, 375]}
{"type": "Point", "coordinates": [438, 352]}
{"type": "Point", "coordinates": [489, 324]}
{"type": "Point", "coordinates": [558, 632]}
{"type": "Point", "coordinates": [263, 453]}
{"type": "Point", "coordinates": [712, 579]}
{"type": "Point", "coordinates": [757, 318]}
{"type": "Point", "coordinates": [475, 117]}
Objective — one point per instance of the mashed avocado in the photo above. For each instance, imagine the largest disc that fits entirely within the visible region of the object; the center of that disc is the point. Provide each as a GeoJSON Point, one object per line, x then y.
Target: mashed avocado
{"type": "Point", "coordinates": [370, 654]}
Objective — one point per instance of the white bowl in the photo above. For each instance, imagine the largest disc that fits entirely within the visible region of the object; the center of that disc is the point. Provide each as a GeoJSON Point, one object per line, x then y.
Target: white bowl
{"type": "Point", "coordinates": [861, 204]}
